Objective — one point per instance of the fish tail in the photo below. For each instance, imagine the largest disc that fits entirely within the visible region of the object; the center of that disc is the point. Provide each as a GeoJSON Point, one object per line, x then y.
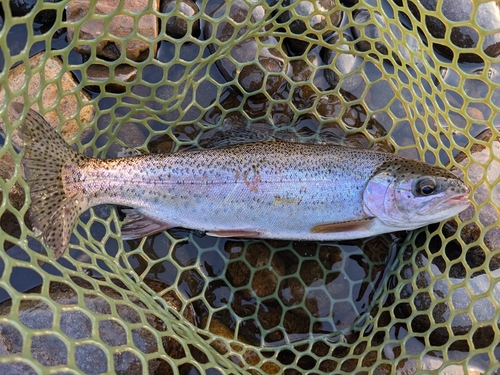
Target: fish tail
{"type": "Point", "coordinates": [55, 206]}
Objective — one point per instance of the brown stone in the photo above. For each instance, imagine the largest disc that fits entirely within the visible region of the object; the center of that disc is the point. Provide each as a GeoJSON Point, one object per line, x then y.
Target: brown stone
{"type": "Point", "coordinates": [120, 26]}
{"type": "Point", "coordinates": [66, 101]}
{"type": "Point", "coordinates": [8, 221]}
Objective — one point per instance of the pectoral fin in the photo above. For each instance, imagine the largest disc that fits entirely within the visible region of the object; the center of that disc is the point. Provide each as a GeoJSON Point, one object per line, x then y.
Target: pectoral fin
{"type": "Point", "coordinates": [138, 225]}
{"type": "Point", "coordinates": [345, 226]}
{"type": "Point", "coordinates": [234, 233]}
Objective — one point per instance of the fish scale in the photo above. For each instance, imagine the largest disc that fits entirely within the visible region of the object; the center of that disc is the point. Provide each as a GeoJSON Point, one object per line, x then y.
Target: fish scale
{"type": "Point", "coordinates": [303, 176]}
{"type": "Point", "coordinates": [280, 190]}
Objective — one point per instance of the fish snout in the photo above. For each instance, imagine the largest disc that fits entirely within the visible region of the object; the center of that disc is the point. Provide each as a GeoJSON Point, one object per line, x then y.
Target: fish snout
{"type": "Point", "coordinates": [460, 191]}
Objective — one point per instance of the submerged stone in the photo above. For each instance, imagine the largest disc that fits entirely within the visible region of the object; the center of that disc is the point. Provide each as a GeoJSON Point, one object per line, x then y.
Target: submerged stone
{"type": "Point", "coordinates": [369, 39]}
{"type": "Point", "coordinates": [69, 100]}
{"type": "Point", "coordinates": [342, 65]}
{"type": "Point", "coordinates": [176, 26]}
{"type": "Point", "coordinates": [249, 59]}
{"type": "Point", "coordinates": [315, 16]}
{"type": "Point", "coordinates": [77, 323]}
{"type": "Point", "coordinates": [99, 73]}
{"type": "Point", "coordinates": [120, 26]}
{"type": "Point", "coordinates": [464, 38]}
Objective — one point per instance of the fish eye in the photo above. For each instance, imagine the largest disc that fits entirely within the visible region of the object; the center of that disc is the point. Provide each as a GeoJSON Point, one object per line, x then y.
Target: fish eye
{"type": "Point", "coordinates": [426, 187]}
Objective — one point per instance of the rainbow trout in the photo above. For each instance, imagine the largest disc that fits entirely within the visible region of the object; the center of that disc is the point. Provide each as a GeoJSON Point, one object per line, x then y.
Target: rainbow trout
{"type": "Point", "coordinates": [280, 190]}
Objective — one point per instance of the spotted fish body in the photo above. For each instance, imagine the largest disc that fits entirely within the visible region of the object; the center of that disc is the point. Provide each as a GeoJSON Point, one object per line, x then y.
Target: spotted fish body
{"type": "Point", "coordinates": [275, 190]}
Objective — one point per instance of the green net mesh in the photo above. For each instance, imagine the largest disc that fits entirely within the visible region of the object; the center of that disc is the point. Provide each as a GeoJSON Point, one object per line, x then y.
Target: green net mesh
{"type": "Point", "coordinates": [418, 78]}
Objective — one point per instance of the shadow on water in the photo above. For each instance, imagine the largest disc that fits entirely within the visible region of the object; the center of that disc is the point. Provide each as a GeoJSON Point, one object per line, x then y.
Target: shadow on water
{"type": "Point", "coordinates": [267, 293]}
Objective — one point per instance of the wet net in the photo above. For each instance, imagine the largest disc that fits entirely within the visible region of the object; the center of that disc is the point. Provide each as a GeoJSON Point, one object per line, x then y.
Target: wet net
{"type": "Point", "coordinates": [418, 78]}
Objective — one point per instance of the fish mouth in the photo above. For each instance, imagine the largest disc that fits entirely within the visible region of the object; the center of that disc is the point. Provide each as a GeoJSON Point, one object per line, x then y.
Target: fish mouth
{"type": "Point", "coordinates": [459, 202]}
{"type": "Point", "coordinates": [457, 198]}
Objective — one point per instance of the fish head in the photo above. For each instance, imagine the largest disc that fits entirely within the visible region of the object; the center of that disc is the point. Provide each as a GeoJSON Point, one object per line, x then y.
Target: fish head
{"type": "Point", "coordinates": [408, 194]}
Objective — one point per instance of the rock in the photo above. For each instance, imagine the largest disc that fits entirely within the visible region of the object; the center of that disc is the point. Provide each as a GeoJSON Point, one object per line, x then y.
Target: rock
{"type": "Point", "coordinates": [120, 26]}
{"type": "Point", "coordinates": [488, 16]}
{"type": "Point", "coordinates": [74, 323]}
{"type": "Point", "coordinates": [251, 76]}
{"type": "Point", "coordinates": [486, 193]}
{"type": "Point", "coordinates": [8, 221]}
{"type": "Point", "coordinates": [316, 13]}
{"type": "Point", "coordinates": [163, 144]}
{"type": "Point", "coordinates": [303, 69]}
{"type": "Point", "coordinates": [131, 137]}
{"type": "Point", "coordinates": [341, 64]}
{"type": "Point", "coordinates": [464, 36]}
{"type": "Point", "coordinates": [68, 99]}
{"type": "Point", "coordinates": [100, 74]}
{"type": "Point", "coordinates": [176, 26]}
{"type": "Point", "coordinates": [438, 295]}
{"type": "Point", "coordinates": [371, 31]}
{"type": "Point", "coordinates": [433, 361]}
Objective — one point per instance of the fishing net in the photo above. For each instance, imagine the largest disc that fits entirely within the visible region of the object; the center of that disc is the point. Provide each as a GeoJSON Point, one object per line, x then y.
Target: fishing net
{"type": "Point", "coordinates": [417, 78]}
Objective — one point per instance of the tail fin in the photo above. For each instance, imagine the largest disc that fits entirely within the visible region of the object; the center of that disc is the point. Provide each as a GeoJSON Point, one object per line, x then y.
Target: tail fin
{"type": "Point", "coordinates": [47, 159]}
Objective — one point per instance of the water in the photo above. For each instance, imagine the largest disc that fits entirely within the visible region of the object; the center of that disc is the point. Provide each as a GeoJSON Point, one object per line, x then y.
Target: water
{"type": "Point", "coordinates": [262, 293]}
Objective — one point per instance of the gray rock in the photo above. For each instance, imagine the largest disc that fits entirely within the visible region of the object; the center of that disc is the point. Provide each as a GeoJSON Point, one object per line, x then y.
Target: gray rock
{"type": "Point", "coordinates": [250, 76]}
{"type": "Point", "coordinates": [341, 65]}
{"type": "Point", "coordinates": [485, 166]}
{"type": "Point", "coordinates": [50, 350]}
{"type": "Point", "coordinates": [316, 14]}
{"type": "Point", "coordinates": [465, 36]}
{"type": "Point", "coordinates": [369, 40]}
{"type": "Point", "coordinates": [176, 26]}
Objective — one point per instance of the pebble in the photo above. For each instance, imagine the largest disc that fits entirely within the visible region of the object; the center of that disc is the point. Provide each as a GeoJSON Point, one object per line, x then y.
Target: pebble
{"type": "Point", "coordinates": [70, 103]}
{"type": "Point", "coordinates": [8, 221]}
{"type": "Point", "coordinates": [294, 290]}
{"type": "Point", "coordinates": [176, 26]}
{"type": "Point", "coordinates": [251, 76]}
{"type": "Point", "coordinates": [341, 64]}
{"type": "Point", "coordinates": [49, 350]}
{"type": "Point", "coordinates": [314, 12]}
{"type": "Point", "coordinates": [120, 26]}
{"type": "Point", "coordinates": [433, 361]}
{"type": "Point", "coordinates": [303, 70]}
{"type": "Point", "coordinates": [371, 35]}
{"type": "Point", "coordinates": [485, 165]}
{"type": "Point", "coordinates": [438, 293]}
{"type": "Point", "coordinates": [98, 75]}
{"type": "Point", "coordinates": [132, 138]}
{"type": "Point", "coordinates": [465, 36]}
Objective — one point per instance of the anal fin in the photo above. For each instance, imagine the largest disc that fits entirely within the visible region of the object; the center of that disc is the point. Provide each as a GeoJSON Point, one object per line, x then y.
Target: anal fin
{"type": "Point", "coordinates": [234, 233]}
{"type": "Point", "coordinates": [137, 225]}
{"type": "Point", "coordinates": [345, 226]}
